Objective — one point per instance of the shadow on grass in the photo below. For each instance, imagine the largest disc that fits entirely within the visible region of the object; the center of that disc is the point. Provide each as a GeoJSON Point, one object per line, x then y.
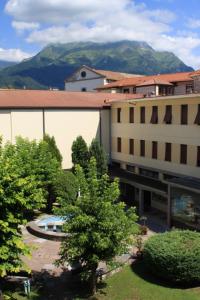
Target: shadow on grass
{"type": "Point", "coordinates": [141, 270]}
{"type": "Point", "coordinates": [46, 286]}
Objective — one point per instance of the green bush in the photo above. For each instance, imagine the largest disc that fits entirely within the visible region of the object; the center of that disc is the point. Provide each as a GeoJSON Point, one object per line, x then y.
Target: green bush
{"type": "Point", "coordinates": [174, 256]}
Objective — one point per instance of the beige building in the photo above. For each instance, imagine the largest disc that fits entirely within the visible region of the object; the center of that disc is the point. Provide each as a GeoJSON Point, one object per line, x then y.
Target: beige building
{"type": "Point", "coordinates": [87, 79]}
{"type": "Point", "coordinates": [64, 115]}
{"type": "Point", "coordinates": [155, 145]}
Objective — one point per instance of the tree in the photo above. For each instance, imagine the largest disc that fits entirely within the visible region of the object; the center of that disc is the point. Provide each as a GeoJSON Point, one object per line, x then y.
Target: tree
{"type": "Point", "coordinates": [99, 227]}
{"type": "Point", "coordinates": [80, 154]}
{"type": "Point", "coordinates": [19, 191]}
{"type": "Point", "coordinates": [65, 186]}
{"type": "Point", "coordinates": [97, 151]}
{"type": "Point", "coordinates": [52, 147]}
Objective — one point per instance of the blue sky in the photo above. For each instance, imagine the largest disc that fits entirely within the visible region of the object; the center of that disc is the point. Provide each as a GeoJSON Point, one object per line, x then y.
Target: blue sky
{"type": "Point", "coordinates": [27, 26]}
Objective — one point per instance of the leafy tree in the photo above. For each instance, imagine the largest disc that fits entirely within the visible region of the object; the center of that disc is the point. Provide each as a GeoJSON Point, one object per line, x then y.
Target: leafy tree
{"type": "Point", "coordinates": [80, 154]}
{"type": "Point", "coordinates": [99, 227]}
{"type": "Point", "coordinates": [97, 151]}
{"type": "Point", "coordinates": [65, 186]}
{"type": "Point", "coordinates": [53, 147]}
{"type": "Point", "coordinates": [19, 191]}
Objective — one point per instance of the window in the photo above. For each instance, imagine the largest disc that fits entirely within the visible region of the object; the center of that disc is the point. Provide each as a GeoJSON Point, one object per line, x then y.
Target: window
{"type": "Point", "coordinates": [168, 114]}
{"type": "Point", "coordinates": [148, 173]}
{"type": "Point", "coordinates": [119, 144]}
{"type": "Point", "coordinates": [197, 119]}
{"type": "Point", "coordinates": [184, 114]}
{"type": "Point", "coordinates": [83, 74]}
{"type": "Point", "coordinates": [142, 148]}
{"type": "Point", "coordinates": [118, 115]}
{"type": "Point", "coordinates": [84, 89]}
{"type": "Point", "coordinates": [183, 154]}
{"type": "Point", "coordinates": [154, 116]}
{"type": "Point", "coordinates": [130, 168]}
{"type": "Point", "coordinates": [126, 91]}
{"type": "Point", "coordinates": [154, 150]}
{"type": "Point", "coordinates": [189, 88]}
{"type": "Point", "coordinates": [198, 156]}
{"type": "Point", "coordinates": [131, 146]}
{"type": "Point", "coordinates": [142, 114]}
{"type": "Point", "coordinates": [131, 114]}
{"type": "Point", "coordinates": [168, 150]}
{"type": "Point", "coordinates": [134, 90]}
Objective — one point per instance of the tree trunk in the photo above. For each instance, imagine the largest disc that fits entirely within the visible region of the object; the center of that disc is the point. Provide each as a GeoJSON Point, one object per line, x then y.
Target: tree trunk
{"type": "Point", "coordinates": [93, 280]}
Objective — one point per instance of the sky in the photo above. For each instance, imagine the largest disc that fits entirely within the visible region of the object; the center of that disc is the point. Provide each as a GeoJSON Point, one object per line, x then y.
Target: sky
{"type": "Point", "coordinates": [26, 26]}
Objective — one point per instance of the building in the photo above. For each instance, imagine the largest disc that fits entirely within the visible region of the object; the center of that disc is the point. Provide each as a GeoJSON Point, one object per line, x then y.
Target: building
{"type": "Point", "coordinates": [156, 153]}
{"type": "Point", "coordinates": [86, 79]}
{"type": "Point", "coordinates": [153, 143]}
{"type": "Point", "coordinates": [64, 115]}
{"type": "Point", "coordinates": [155, 85]}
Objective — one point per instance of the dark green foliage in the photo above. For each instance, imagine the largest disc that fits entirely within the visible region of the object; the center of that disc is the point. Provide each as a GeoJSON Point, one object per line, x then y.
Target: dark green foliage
{"type": "Point", "coordinates": [80, 154]}
{"type": "Point", "coordinates": [51, 66]}
{"type": "Point", "coordinates": [65, 187]}
{"type": "Point", "coordinates": [99, 227]}
{"type": "Point", "coordinates": [53, 147]}
{"type": "Point", "coordinates": [174, 256]}
{"type": "Point", "coordinates": [97, 151]}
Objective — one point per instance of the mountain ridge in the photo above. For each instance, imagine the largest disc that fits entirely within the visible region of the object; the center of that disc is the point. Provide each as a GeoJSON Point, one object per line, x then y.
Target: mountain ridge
{"type": "Point", "coordinates": [49, 67]}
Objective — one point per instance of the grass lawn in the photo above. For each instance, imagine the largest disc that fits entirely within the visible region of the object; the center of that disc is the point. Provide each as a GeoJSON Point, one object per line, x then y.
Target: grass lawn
{"type": "Point", "coordinates": [133, 283]}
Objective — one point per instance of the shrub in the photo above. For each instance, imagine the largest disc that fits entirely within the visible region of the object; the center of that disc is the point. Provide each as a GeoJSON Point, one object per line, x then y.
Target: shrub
{"type": "Point", "coordinates": [174, 256]}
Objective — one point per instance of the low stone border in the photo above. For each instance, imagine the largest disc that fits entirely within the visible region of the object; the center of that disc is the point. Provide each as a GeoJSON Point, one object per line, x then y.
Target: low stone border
{"type": "Point", "coordinates": [49, 235]}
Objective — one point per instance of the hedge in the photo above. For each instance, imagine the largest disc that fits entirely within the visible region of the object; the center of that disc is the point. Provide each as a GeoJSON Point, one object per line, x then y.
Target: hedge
{"type": "Point", "coordinates": [174, 256]}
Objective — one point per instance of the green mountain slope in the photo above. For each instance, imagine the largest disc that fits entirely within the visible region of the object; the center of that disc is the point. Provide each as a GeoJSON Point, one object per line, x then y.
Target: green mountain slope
{"type": "Point", "coordinates": [54, 63]}
{"type": "Point", "coordinates": [4, 64]}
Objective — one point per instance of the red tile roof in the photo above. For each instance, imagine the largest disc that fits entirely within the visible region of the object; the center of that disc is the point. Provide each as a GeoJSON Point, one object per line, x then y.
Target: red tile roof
{"type": "Point", "coordinates": [175, 77]}
{"type": "Point", "coordinates": [154, 81]}
{"type": "Point", "coordinates": [115, 75]}
{"type": "Point", "coordinates": [58, 99]}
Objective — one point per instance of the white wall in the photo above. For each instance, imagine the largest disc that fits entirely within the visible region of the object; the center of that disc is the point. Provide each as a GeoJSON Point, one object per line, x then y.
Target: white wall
{"type": "Point", "coordinates": [90, 84]}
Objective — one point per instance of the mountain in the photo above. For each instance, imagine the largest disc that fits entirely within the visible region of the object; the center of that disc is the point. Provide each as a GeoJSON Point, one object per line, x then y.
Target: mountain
{"type": "Point", "coordinates": [55, 62]}
{"type": "Point", "coordinates": [4, 64]}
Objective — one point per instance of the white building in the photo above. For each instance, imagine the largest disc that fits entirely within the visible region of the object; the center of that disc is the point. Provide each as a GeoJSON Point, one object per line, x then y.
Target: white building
{"type": "Point", "coordinates": [86, 79]}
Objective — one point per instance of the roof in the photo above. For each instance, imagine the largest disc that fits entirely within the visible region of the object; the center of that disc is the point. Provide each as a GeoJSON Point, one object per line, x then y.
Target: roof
{"type": "Point", "coordinates": [171, 78]}
{"type": "Point", "coordinates": [111, 75]}
{"type": "Point", "coordinates": [187, 182]}
{"type": "Point", "coordinates": [154, 81]}
{"type": "Point", "coordinates": [10, 98]}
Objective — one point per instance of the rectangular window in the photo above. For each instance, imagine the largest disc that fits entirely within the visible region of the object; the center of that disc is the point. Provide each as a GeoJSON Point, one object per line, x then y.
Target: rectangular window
{"type": "Point", "coordinates": [118, 115]}
{"type": "Point", "coordinates": [184, 114]}
{"type": "Point", "coordinates": [183, 154]}
{"type": "Point", "coordinates": [168, 114]}
{"type": "Point", "coordinates": [189, 88]}
{"type": "Point", "coordinates": [131, 146]}
{"type": "Point", "coordinates": [197, 119]}
{"type": "Point", "coordinates": [119, 144]}
{"type": "Point", "coordinates": [142, 114]}
{"type": "Point", "coordinates": [131, 114]}
{"type": "Point", "coordinates": [130, 168]}
{"type": "Point", "coordinates": [126, 91]}
{"type": "Point", "coordinates": [198, 156]}
{"type": "Point", "coordinates": [154, 150]}
{"type": "Point", "coordinates": [168, 150]}
{"type": "Point", "coordinates": [154, 116]}
{"type": "Point", "coordinates": [142, 148]}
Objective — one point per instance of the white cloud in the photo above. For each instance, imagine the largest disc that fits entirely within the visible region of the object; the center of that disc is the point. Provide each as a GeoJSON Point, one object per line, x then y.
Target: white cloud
{"type": "Point", "coordinates": [15, 55]}
{"type": "Point", "coordinates": [102, 21]}
{"type": "Point", "coordinates": [193, 23]}
{"type": "Point", "coordinates": [24, 26]}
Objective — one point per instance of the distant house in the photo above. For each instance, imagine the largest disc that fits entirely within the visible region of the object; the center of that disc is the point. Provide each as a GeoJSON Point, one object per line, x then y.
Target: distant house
{"type": "Point", "coordinates": [155, 85]}
{"type": "Point", "coordinates": [86, 79]}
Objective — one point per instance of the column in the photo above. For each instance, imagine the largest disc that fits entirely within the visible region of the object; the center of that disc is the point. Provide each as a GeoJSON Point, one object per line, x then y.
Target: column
{"type": "Point", "coordinates": [141, 203]}
{"type": "Point", "coordinates": [169, 206]}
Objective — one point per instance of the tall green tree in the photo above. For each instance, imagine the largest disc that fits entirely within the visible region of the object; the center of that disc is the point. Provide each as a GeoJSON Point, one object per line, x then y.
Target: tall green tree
{"type": "Point", "coordinates": [99, 227]}
{"type": "Point", "coordinates": [97, 151]}
{"type": "Point", "coordinates": [80, 153]}
{"type": "Point", "coordinates": [53, 147]}
{"type": "Point", "coordinates": [19, 191]}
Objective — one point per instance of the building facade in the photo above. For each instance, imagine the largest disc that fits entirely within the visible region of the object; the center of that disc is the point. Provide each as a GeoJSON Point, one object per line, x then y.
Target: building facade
{"type": "Point", "coordinates": [86, 79]}
{"type": "Point", "coordinates": [155, 142]}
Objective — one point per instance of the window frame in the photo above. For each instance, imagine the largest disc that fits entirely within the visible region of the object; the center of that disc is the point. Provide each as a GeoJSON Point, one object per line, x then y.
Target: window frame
{"type": "Point", "coordinates": [119, 144]}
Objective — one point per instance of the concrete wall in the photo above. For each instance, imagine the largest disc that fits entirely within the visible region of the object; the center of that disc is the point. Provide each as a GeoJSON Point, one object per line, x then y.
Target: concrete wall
{"type": "Point", "coordinates": [174, 133]}
{"type": "Point", "coordinates": [64, 124]}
